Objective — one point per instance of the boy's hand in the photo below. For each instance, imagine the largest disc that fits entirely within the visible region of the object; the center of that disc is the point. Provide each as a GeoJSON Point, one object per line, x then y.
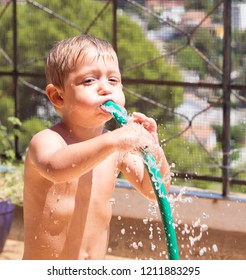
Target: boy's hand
{"type": "Point", "coordinates": [148, 123]}
{"type": "Point", "coordinates": [140, 132]}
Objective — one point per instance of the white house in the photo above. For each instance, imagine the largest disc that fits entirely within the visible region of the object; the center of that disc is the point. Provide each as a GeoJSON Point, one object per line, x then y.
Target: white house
{"type": "Point", "coordinates": [238, 15]}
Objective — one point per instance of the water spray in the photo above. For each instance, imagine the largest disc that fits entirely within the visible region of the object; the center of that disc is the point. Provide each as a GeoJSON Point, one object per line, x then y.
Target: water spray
{"type": "Point", "coordinates": [121, 116]}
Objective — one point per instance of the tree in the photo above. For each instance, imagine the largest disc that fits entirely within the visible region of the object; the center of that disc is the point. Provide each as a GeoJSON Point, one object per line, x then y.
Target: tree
{"type": "Point", "coordinates": [38, 31]}
{"type": "Point", "coordinates": [199, 5]}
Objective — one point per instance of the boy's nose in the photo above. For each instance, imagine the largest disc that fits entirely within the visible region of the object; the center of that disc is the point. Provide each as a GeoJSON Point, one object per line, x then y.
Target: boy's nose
{"type": "Point", "coordinates": [103, 92]}
{"type": "Point", "coordinates": [104, 89]}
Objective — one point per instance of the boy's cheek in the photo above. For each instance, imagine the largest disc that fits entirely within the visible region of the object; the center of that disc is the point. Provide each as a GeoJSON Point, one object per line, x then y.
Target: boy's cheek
{"type": "Point", "coordinates": [122, 100]}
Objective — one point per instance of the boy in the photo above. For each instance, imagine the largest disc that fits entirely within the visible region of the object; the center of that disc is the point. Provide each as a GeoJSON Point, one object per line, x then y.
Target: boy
{"type": "Point", "coordinates": [71, 168]}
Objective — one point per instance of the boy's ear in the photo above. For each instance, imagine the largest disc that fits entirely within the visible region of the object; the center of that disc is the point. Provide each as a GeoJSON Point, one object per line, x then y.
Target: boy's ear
{"type": "Point", "coordinates": [55, 96]}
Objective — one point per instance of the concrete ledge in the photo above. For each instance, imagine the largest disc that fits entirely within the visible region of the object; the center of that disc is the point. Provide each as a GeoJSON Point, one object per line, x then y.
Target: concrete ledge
{"type": "Point", "coordinates": [223, 220]}
{"type": "Point", "coordinates": [218, 213]}
{"type": "Point", "coordinates": [137, 231]}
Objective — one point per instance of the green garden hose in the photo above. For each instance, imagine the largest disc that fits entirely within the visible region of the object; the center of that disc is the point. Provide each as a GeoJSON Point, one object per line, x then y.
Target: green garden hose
{"type": "Point", "coordinates": [121, 117]}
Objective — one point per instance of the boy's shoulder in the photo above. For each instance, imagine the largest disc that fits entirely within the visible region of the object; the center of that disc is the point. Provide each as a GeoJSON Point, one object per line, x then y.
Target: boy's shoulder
{"type": "Point", "coordinates": [47, 134]}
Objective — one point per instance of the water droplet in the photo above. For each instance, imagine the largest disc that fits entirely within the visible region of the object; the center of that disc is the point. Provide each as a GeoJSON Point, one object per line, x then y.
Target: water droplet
{"type": "Point", "coordinates": [196, 223]}
{"type": "Point", "coordinates": [203, 228]}
{"type": "Point", "coordinates": [202, 251]}
{"type": "Point", "coordinates": [112, 200]}
{"type": "Point", "coordinates": [135, 245]}
{"type": "Point", "coordinates": [145, 221]}
{"type": "Point", "coordinates": [153, 247]}
{"type": "Point", "coordinates": [215, 248]}
{"type": "Point", "coordinates": [204, 215]}
{"type": "Point", "coordinates": [140, 244]}
{"type": "Point", "coordinates": [109, 250]}
{"type": "Point", "coordinates": [128, 170]}
{"type": "Point", "coordinates": [123, 231]}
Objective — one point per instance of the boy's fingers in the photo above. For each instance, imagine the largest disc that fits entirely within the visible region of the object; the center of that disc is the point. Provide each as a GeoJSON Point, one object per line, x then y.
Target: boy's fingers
{"type": "Point", "coordinates": [141, 117]}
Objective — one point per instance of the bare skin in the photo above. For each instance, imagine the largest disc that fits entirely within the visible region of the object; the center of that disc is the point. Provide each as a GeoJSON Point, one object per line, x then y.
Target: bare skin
{"type": "Point", "coordinates": [71, 168]}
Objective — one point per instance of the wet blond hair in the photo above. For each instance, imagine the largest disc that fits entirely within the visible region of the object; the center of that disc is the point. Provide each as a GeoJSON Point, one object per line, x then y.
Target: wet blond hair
{"type": "Point", "coordinates": [64, 55]}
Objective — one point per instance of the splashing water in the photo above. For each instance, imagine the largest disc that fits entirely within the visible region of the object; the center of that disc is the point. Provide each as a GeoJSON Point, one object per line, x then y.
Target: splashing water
{"type": "Point", "coordinates": [190, 236]}
{"type": "Point", "coordinates": [157, 183]}
{"type": "Point", "coordinates": [153, 169]}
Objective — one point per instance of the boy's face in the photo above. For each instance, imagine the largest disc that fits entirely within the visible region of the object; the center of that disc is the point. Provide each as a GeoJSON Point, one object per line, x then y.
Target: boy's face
{"type": "Point", "coordinates": [94, 80]}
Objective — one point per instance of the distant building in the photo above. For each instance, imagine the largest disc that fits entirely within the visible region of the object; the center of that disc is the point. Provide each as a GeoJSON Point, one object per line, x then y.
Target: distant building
{"type": "Point", "coordinates": [218, 30]}
{"type": "Point", "coordinates": [238, 16]}
{"type": "Point", "coordinates": [193, 18]}
{"type": "Point", "coordinates": [166, 7]}
{"type": "Point", "coordinates": [202, 134]}
{"type": "Point", "coordinates": [173, 10]}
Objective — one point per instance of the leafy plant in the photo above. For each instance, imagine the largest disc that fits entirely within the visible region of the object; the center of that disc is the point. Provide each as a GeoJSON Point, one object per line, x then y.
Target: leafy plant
{"type": "Point", "coordinates": [7, 136]}
{"type": "Point", "coordinates": [11, 186]}
{"type": "Point", "coordinates": [11, 170]}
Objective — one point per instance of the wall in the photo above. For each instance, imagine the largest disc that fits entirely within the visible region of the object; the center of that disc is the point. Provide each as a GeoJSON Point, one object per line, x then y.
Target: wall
{"type": "Point", "coordinates": [208, 227]}
{"type": "Point", "coordinates": [137, 231]}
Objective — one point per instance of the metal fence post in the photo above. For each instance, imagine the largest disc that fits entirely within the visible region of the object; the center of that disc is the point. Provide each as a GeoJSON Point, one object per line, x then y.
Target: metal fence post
{"type": "Point", "coordinates": [15, 71]}
{"type": "Point", "coordinates": [226, 95]}
{"type": "Point", "coordinates": [115, 4]}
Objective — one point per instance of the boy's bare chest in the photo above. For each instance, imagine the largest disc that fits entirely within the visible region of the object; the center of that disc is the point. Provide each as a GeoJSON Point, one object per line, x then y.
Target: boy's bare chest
{"type": "Point", "coordinates": [100, 181]}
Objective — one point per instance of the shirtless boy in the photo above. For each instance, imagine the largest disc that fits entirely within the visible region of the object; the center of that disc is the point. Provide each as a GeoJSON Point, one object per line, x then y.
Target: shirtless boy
{"type": "Point", "coordinates": [71, 168]}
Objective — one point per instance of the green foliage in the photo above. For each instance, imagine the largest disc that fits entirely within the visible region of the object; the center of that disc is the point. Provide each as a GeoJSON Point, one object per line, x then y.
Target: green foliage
{"type": "Point", "coordinates": [237, 141]}
{"type": "Point", "coordinates": [11, 183]}
{"type": "Point", "coordinates": [199, 5]}
{"type": "Point", "coordinates": [191, 61]}
{"type": "Point", "coordinates": [208, 45]}
{"type": "Point", "coordinates": [38, 31]}
{"type": "Point", "coordinates": [134, 49]}
{"type": "Point", "coordinates": [238, 134]}
{"type": "Point", "coordinates": [153, 23]}
{"type": "Point", "coordinates": [186, 156]}
{"type": "Point", "coordinates": [7, 136]}
{"type": "Point", "coordinates": [29, 128]}
{"type": "Point", "coordinates": [11, 170]}
{"type": "Point", "coordinates": [6, 109]}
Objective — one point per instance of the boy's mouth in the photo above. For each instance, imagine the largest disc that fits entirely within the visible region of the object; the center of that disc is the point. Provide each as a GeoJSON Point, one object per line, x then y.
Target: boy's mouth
{"type": "Point", "coordinates": [103, 108]}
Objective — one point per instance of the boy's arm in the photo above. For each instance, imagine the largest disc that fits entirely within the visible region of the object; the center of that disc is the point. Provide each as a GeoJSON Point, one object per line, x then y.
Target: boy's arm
{"type": "Point", "coordinates": [132, 165]}
{"type": "Point", "coordinates": [59, 162]}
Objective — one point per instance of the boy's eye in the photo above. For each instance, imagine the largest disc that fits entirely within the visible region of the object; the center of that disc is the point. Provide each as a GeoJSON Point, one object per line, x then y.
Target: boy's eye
{"type": "Point", "coordinates": [88, 81]}
{"type": "Point", "coordinates": [113, 81]}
